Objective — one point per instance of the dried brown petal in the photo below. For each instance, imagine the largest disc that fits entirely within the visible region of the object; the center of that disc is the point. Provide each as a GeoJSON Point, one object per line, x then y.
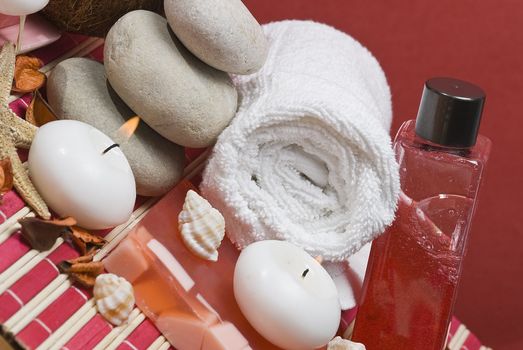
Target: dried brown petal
{"type": "Point", "coordinates": [41, 234]}
{"type": "Point", "coordinates": [39, 112]}
{"type": "Point", "coordinates": [86, 242]}
{"type": "Point", "coordinates": [24, 61]}
{"type": "Point", "coordinates": [81, 259]}
{"type": "Point", "coordinates": [64, 266]}
{"type": "Point", "coordinates": [93, 267]}
{"type": "Point", "coordinates": [84, 273]}
{"type": "Point", "coordinates": [27, 76]}
{"type": "Point", "coordinates": [68, 221]}
{"type": "Point", "coordinates": [6, 176]}
{"type": "Point", "coordinates": [85, 280]}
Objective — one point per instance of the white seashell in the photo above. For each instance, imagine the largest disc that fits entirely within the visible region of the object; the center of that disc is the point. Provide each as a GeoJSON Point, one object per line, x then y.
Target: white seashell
{"type": "Point", "coordinates": [339, 343]}
{"type": "Point", "coordinates": [114, 297]}
{"type": "Point", "coordinates": [202, 227]}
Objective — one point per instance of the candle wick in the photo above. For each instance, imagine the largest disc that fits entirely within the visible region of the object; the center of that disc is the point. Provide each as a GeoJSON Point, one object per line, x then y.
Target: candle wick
{"type": "Point", "coordinates": [305, 273]}
{"type": "Point", "coordinates": [110, 148]}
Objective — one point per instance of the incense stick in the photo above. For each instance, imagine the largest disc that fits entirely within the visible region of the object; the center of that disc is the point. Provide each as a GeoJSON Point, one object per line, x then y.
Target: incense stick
{"type": "Point", "coordinates": [157, 343]}
{"type": "Point", "coordinates": [113, 334]}
{"type": "Point", "coordinates": [20, 268]}
{"type": "Point", "coordinates": [85, 48]}
{"type": "Point", "coordinates": [197, 161]}
{"type": "Point", "coordinates": [131, 326]}
{"type": "Point", "coordinates": [165, 346]}
{"type": "Point", "coordinates": [11, 225]}
{"type": "Point", "coordinates": [75, 329]}
{"type": "Point", "coordinates": [90, 314]}
{"type": "Point", "coordinates": [20, 33]}
{"type": "Point", "coordinates": [16, 267]}
{"type": "Point", "coordinates": [452, 345]}
{"type": "Point", "coordinates": [63, 334]}
{"type": "Point", "coordinates": [32, 309]}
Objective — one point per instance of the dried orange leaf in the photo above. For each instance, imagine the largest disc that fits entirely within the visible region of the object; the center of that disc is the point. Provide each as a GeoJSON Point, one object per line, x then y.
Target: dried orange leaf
{"type": "Point", "coordinates": [81, 259]}
{"type": "Point", "coordinates": [84, 273]}
{"type": "Point", "coordinates": [6, 176]}
{"type": "Point", "coordinates": [27, 75]}
{"type": "Point", "coordinates": [85, 280]}
{"type": "Point", "coordinates": [24, 61]}
{"type": "Point", "coordinates": [86, 242]}
{"type": "Point", "coordinates": [68, 221]}
{"type": "Point", "coordinates": [93, 267]}
{"type": "Point", "coordinates": [28, 80]}
{"type": "Point", "coordinates": [39, 112]}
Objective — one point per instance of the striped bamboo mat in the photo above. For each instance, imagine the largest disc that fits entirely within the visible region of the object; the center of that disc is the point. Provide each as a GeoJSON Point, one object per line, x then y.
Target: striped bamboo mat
{"type": "Point", "coordinates": [40, 308]}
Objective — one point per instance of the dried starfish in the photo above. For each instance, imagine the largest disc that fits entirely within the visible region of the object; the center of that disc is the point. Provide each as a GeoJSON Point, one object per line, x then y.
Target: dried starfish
{"type": "Point", "coordinates": [16, 132]}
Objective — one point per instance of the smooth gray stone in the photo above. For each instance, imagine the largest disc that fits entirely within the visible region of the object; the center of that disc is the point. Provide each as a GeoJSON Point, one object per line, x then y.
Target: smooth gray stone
{"type": "Point", "coordinates": [77, 89]}
{"type": "Point", "coordinates": [179, 96]}
{"type": "Point", "coordinates": [222, 33]}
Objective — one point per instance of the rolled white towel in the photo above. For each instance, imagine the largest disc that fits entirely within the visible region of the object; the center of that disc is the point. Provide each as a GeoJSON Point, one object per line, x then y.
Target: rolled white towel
{"type": "Point", "coordinates": [307, 158]}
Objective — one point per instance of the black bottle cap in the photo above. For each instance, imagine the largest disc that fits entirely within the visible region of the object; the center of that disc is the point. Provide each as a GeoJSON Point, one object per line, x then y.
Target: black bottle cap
{"type": "Point", "coordinates": [450, 112]}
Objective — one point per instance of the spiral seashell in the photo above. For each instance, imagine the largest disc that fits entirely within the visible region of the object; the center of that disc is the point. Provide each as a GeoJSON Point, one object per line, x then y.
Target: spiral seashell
{"type": "Point", "coordinates": [201, 226]}
{"type": "Point", "coordinates": [339, 343]}
{"type": "Point", "coordinates": [114, 297]}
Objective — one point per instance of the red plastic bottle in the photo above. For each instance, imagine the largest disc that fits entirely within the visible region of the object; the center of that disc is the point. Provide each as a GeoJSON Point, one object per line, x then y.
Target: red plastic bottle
{"type": "Point", "coordinates": [414, 267]}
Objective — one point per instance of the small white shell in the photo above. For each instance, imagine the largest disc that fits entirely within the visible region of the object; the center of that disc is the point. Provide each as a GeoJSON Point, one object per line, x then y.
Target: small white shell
{"type": "Point", "coordinates": [339, 343]}
{"type": "Point", "coordinates": [201, 226]}
{"type": "Point", "coordinates": [114, 297]}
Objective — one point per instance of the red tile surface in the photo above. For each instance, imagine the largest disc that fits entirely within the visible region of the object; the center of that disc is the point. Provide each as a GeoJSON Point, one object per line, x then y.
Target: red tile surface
{"type": "Point", "coordinates": [23, 290]}
{"type": "Point", "coordinates": [64, 252]}
{"type": "Point", "coordinates": [10, 204]}
{"type": "Point", "coordinates": [142, 337]}
{"type": "Point", "coordinates": [59, 311]}
{"type": "Point", "coordinates": [90, 334]}
{"type": "Point", "coordinates": [33, 335]}
{"type": "Point", "coordinates": [11, 250]}
{"type": "Point", "coordinates": [9, 305]}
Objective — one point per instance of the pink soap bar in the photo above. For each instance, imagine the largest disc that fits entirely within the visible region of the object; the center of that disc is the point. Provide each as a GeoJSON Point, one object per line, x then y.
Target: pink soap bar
{"type": "Point", "coordinates": [185, 296]}
{"type": "Point", "coordinates": [135, 264]}
{"type": "Point", "coordinates": [224, 337]}
{"type": "Point", "coordinates": [181, 330]}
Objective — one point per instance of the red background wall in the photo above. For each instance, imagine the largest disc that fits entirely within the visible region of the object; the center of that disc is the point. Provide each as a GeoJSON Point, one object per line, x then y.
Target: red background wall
{"type": "Point", "coordinates": [476, 40]}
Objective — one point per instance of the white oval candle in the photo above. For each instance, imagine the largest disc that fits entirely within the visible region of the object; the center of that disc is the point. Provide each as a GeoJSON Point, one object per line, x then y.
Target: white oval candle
{"type": "Point", "coordinates": [286, 295]}
{"type": "Point", "coordinates": [21, 7]}
{"type": "Point", "coordinates": [75, 179]}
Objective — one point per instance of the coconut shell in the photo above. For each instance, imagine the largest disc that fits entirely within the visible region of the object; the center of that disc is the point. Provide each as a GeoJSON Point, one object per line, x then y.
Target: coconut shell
{"type": "Point", "coordinates": [94, 17]}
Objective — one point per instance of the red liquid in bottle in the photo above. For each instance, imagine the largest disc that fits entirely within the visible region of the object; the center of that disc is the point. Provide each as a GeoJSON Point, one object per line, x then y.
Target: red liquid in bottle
{"type": "Point", "coordinates": [414, 267]}
{"type": "Point", "coordinates": [409, 306]}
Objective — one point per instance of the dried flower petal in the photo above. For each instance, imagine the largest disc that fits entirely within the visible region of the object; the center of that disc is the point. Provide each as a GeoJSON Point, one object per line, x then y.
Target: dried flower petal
{"type": "Point", "coordinates": [86, 242]}
{"type": "Point", "coordinates": [85, 280]}
{"type": "Point", "coordinates": [81, 259]}
{"type": "Point", "coordinates": [6, 176]}
{"type": "Point", "coordinates": [84, 273]}
{"type": "Point", "coordinates": [27, 76]}
{"type": "Point", "coordinates": [93, 267]}
{"type": "Point", "coordinates": [39, 112]}
{"type": "Point", "coordinates": [41, 234]}
{"type": "Point", "coordinates": [68, 221]}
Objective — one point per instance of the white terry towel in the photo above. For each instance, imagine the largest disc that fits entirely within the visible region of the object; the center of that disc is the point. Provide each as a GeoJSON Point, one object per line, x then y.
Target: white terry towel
{"type": "Point", "coordinates": [307, 158]}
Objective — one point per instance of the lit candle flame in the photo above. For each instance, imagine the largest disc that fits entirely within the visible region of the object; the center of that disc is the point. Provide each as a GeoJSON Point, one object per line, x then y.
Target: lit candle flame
{"type": "Point", "coordinates": [127, 130]}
